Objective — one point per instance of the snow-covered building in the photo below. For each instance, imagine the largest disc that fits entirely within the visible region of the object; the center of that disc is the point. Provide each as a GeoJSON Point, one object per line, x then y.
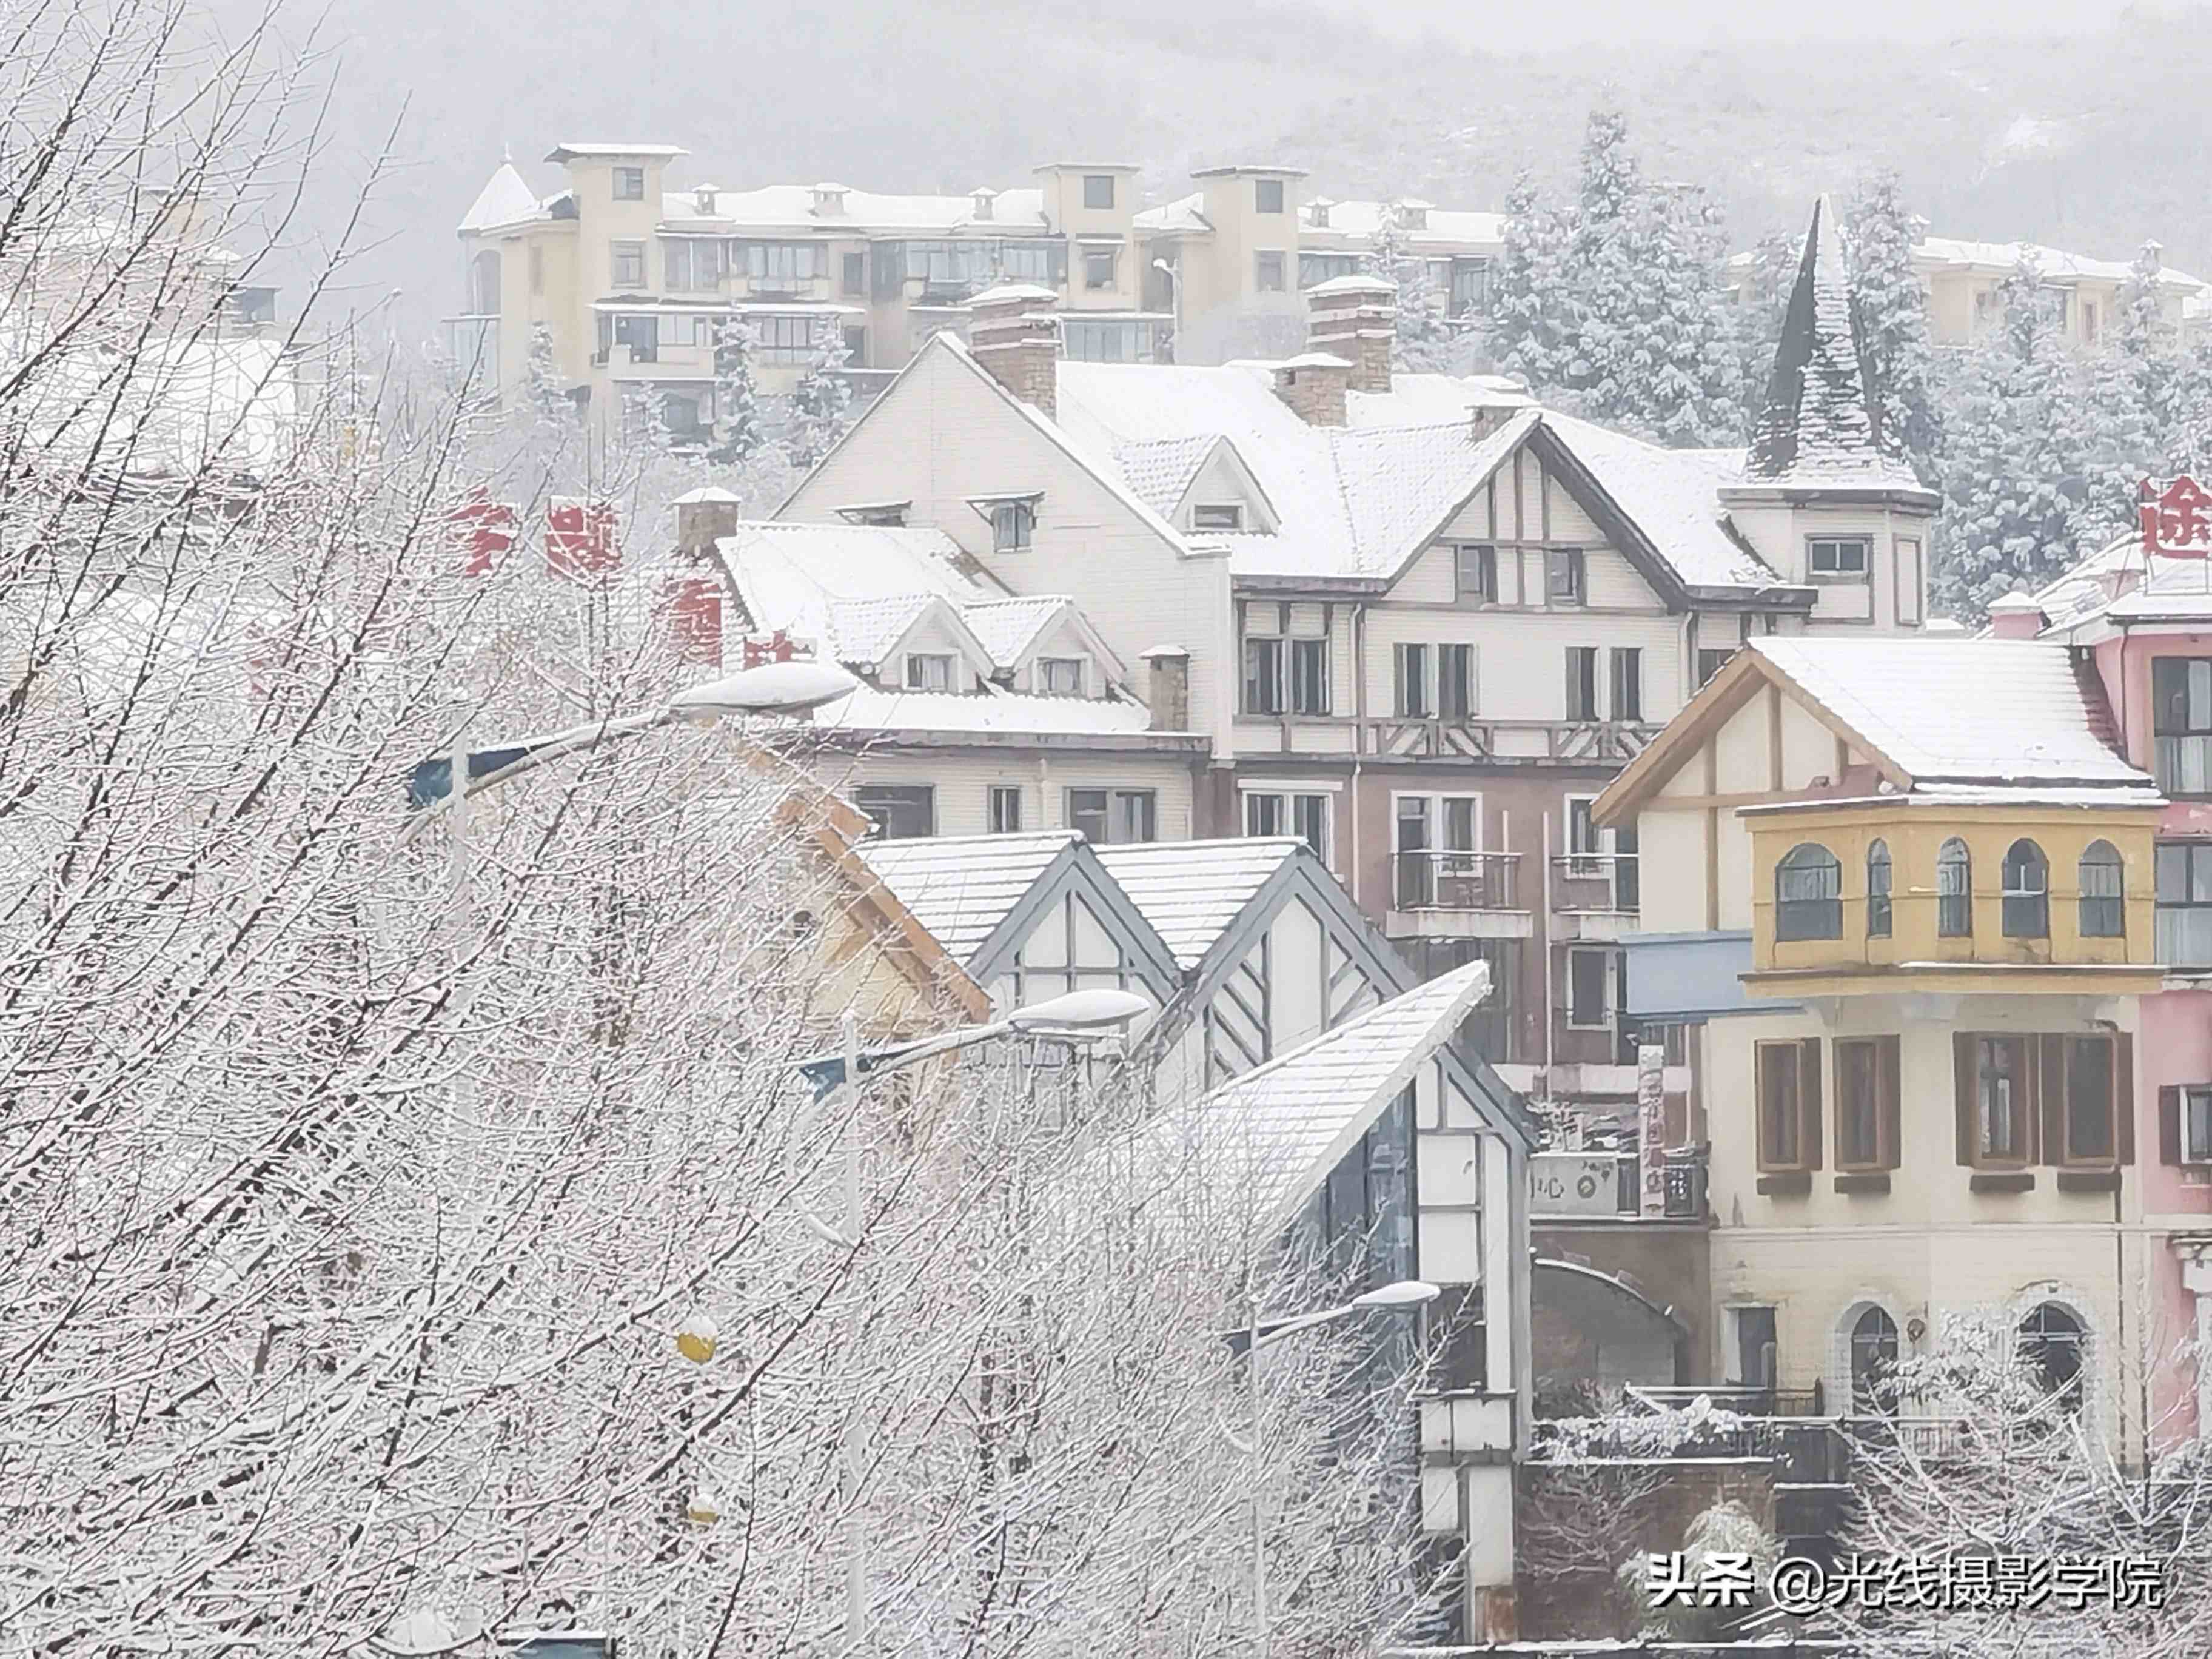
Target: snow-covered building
{"type": "Point", "coordinates": [1965, 281]}
{"type": "Point", "coordinates": [1420, 623]}
{"type": "Point", "coordinates": [1901, 896]}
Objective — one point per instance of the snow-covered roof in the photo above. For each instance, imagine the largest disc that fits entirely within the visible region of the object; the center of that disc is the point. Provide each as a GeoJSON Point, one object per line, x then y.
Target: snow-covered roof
{"type": "Point", "coordinates": [792, 208]}
{"type": "Point", "coordinates": [990, 711]}
{"type": "Point", "coordinates": [2119, 582]}
{"type": "Point", "coordinates": [1817, 427]}
{"type": "Point", "coordinates": [581, 150]}
{"type": "Point", "coordinates": [1008, 627]}
{"type": "Point", "coordinates": [838, 583]}
{"type": "Point", "coordinates": [1360, 220]}
{"type": "Point", "coordinates": [1264, 1142]}
{"type": "Point", "coordinates": [2053, 264]}
{"type": "Point", "coordinates": [961, 887]}
{"type": "Point", "coordinates": [1674, 496]}
{"type": "Point", "coordinates": [1961, 711]}
{"type": "Point", "coordinates": [1184, 213]}
{"type": "Point", "coordinates": [1162, 470]}
{"type": "Point", "coordinates": [230, 406]}
{"type": "Point", "coordinates": [505, 199]}
{"type": "Point", "coordinates": [1191, 890]}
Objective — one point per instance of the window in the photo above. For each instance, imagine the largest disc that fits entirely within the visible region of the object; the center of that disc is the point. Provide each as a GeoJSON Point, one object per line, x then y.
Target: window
{"type": "Point", "coordinates": [2001, 1115]}
{"type": "Point", "coordinates": [1582, 681]}
{"type": "Point", "coordinates": [629, 183]}
{"type": "Point", "coordinates": [2185, 1124]}
{"type": "Point", "coordinates": [1267, 195]}
{"type": "Point", "coordinates": [1878, 876]}
{"type": "Point", "coordinates": [1590, 976]}
{"type": "Point", "coordinates": [901, 812]}
{"type": "Point", "coordinates": [1114, 818]}
{"type": "Point", "coordinates": [1263, 814]}
{"type": "Point", "coordinates": [1754, 1346]}
{"type": "Point", "coordinates": [629, 258]}
{"type": "Point", "coordinates": [2184, 915]}
{"type": "Point", "coordinates": [1309, 817]}
{"type": "Point", "coordinates": [1563, 575]}
{"type": "Point", "coordinates": [686, 264]}
{"type": "Point", "coordinates": [1267, 272]}
{"type": "Point", "coordinates": [2181, 722]}
{"type": "Point", "coordinates": [2026, 891]}
{"type": "Point", "coordinates": [1309, 676]}
{"type": "Point", "coordinates": [928, 672]}
{"type": "Point", "coordinates": [1098, 264]}
{"type": "Point", "coordinates": [2051, 1344]}
{"type": "Point", "coordinates": [1006, 809]}
{"type": "Point", "coordinates": [1411, 664]}
{"type": "Point", "coordinates": [855, 273]}
{"type": "Point", "coordinates": [1013, 526]}
{"type": "Point", "coordinates": [1475, 571]}
{"type": "Point", "coordinates": [1326, 267]}
{"type": "Point", "coordinates": [1454, 682]}
{"type": "Point", "coordinates": [1627, 684]}
{"type": "Point", "coordinates": [1840, 558]}
{"type": "Point", "coordinates": [2090, 1101]}
{"type": "Point", "coordinates": [1223, 516]}
{"type": "Point", "coordinates": [2102, 879]}
{"type": "Point", "coordinates": [1263, 675]}
{"type": "Point", "coordinates": [680, 416]}
{"type": "Point", "coordinates": [1788, 1079]}
{"type": "Point", "coordinates": [641, 335]}
{"type": "Point", "coordinates": [783, 264]}
{"type": "Point", "coordinates": [1808, 894]}
{"type": "Point", "coordinates": [1711, 663]}
{"type": "Point", "coordinates": [1874, 1359]}
{"type": "Point", "coordinates": [1470, 286]}
{"type": "Point", "coordinates": [1026, 261]}
{"type": "Point", "coordinates": [1911, 583]}
{"type": "Point", "coordinates": [1095, 340]}
{"type": "Point", "coordinates": [2089, 321]}
{"type": "Point", "coordinates": [1868, 1079]}
{"type": "Point", "coordinates": [703, 330]}
{"type": "Point", "coordinates": [1954, 890]}
{"type": "Point", "coordinates": [784, 339]}
{"type": "Point", "coordinates": [1098, 190]}
{"type": "Point", "coordinates": [1305, 815]}
{"type": "Point", "coordinates": [1061, 677]}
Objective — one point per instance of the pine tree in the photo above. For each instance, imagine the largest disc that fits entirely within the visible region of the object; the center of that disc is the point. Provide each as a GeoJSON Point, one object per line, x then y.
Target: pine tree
{"type": "Point", "coordinates": [2016, 459]}
{"type": "Point", "coordinates": [820, 405]}
{"type": "Point", "coordinates": [540, 379]}
{"type": "Point", "coordinates": [1427, 342]}
{"type": "Point", "coordinates": [1534, 310]}
{"type": "Point", "coordinates": [739, 433]}
{"type": "Point", "coordinates": [1892, 316]}
{"type": "Point", "coordinates": [1762, 279]}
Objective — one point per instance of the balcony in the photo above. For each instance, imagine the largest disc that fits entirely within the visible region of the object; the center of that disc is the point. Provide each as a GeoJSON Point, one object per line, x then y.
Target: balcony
{"type": "Point", "coordinates": [1604, 1186]}
{"type": "Point", "coordinates": [1449, 892]}
{"type": "Point", "coordinates": [1594, 896]}
{"type": "Point", "coordinates": [472, 349]}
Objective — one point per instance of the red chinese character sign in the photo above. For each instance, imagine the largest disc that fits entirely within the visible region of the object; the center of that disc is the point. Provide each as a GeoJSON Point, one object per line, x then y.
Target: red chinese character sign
{"type": "Point", "coordinates": [2177, 519]}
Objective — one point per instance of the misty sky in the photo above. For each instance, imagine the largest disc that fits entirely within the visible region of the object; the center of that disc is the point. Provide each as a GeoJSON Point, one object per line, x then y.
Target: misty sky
{"type": "Point", "coordinates": [1558, 22]}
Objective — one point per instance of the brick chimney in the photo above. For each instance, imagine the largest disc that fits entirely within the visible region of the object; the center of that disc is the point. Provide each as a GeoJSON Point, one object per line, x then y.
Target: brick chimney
{"type": "Point", "coordinates": [703, 517]}
{"type": "Point", "coordinates": [1168, 695]}
{"type": "Point", "coordinates": [1012, 332]}
{"type": "Point", "coordinates": [1313, 386]}
{"type": "Point", "coordinates": [1355, 318]}
{"type": "Point", "coordinates": [2015, 616]}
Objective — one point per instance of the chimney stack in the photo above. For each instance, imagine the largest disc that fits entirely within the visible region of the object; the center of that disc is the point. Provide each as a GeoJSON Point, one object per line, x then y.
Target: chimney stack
{"type": "Point", "coordinates": [1355, 318]}
{"type": "Point", "coordinates": [1313, 386]}
{"type": "Point", "coordinates": [1013, 332]}
{"type": "Point", "coordinates": [1168, 695]}
{"type": "Point", "coordinates": [703, 517]}
{"type": "Point", "coordinates": [2015, 616]}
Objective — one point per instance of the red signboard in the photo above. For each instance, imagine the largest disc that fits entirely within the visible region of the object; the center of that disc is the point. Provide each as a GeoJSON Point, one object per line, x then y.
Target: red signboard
{"type": "Point", "coordinates": [778, 647]}
{"type": "Point", "coordinates": [579, 538]}
{"type": "Point", "coordinates": [694, 620]}
{"type": "Point", "coordinates": [484, 530]}
{"type": "Point", "coordinates": [2177, 519]}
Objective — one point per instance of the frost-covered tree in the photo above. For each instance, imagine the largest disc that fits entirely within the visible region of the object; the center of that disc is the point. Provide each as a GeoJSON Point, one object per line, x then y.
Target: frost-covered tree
{"type": "Point", "coordinates": [1761, 278]}
{"type": "Point", "coordinates": [1536, 307]}
{"type": "Point", "coordinates": [1426, 340]}
{"type": "Point", "coordinates": [740, 432]}
{"type": "Point", "coordinates": [822, 402]}
{"type": "Point", "coordinates": [1891, 308]}
{"type": "Point", "coordinates": [543, 390]}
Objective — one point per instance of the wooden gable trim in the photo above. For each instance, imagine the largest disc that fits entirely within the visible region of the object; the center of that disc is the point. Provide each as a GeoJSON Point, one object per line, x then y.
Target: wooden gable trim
{"type": "Point", "coordinates": [1485, 480]}
{"type": "Point", "coordinates": [1075, 869]}
{"type": "Point", "coordinates": [1249, 479]}
{"type": "Point", "coordinates": [1553, 455]}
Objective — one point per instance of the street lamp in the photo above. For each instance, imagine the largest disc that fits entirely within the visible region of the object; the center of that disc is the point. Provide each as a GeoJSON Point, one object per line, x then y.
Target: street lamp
{"type": "Point", "coordinates": [1400, 1296]}
{"type": "Point", "coordinates": [1080, 1015]}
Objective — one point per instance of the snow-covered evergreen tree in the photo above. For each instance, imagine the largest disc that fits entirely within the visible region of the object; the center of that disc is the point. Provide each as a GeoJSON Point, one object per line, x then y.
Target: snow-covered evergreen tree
{"type": "Point", "coordinates": [1427, 342]}
{"type": "Point", "coordinates": [1536, 310]}
{"type": "Point", "coordinates": [542, 387]}
{"type": "Point", "coordinates": [1892, 316]}
{"type": "Point", "coordinates": [739, 433]}
{"type": "Point", "coordinates": [2017, 453]}
{"type": "Point", "coordinates": [821, 404]}
{"type": "Point", "coordinates": [1761, 279]}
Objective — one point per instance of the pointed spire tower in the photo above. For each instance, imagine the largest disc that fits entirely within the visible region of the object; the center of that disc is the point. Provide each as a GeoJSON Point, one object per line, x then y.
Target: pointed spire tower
{"type": "Point", "coordinates": [1820, 425]}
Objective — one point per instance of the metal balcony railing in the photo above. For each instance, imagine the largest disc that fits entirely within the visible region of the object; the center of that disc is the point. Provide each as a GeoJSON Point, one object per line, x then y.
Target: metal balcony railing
{"type": "Point", "coordinates": [1606, 884]}
{"type": "Point", "coordinates": [1440, 878]}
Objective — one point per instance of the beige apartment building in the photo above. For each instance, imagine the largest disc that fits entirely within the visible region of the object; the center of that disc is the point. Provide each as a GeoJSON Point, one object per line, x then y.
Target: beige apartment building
{"type": "Point", "coordinates": [1965, 282]}
{"type": "Point", "coordinates": [630, 273]}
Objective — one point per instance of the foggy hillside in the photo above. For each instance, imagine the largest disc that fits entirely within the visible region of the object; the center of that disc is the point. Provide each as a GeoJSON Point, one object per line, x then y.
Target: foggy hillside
{"type": "Point", "coordinates": [2093, 143]}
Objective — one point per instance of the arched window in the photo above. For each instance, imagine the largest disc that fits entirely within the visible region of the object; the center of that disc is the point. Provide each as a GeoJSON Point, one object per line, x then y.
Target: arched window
{"type": "Point", "coordinates": [2050, 1343]}
{"type": "Point", "coordinates": [1808, 894]}
{"type": "Point", "coordinates": [1954, 890]}
{"type": "Point", "coordinates": [483, 283]}
{"type": "Point", "coordinates": [1878, 889]}
{"type": "Point", "coordinates": [2026, 891]}
{"type": "Point", "coordinates": [2103, 890]}
{"type": "Point", "coordinates": [1873, 1361]}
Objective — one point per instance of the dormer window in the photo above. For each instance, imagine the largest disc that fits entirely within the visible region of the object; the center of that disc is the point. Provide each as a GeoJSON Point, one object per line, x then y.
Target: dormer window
{"type": "Point", "coordinates": [629, 183]}
{"type": "Point", "coordinates": [928, 671]}
{"type": "Point", "coordinates": [1839, 558]}
{"type": "Point", "coordinates": [1012, 519]}
{"type": "Point", "coordinates": [982, 200]}
{"type": "Point", "coordinates": [1060, 676]}
{"type": "Point", "coordinates": [1412, 215]}
{"type": "Point", "coordinates": [883, 515]}
{"type": "Point", "coordinates": [702, 201]}
{"type": "Point", "coordinates": [1317, 212]}
{"type": "Point", "coordinates": [1267, 195]}
{"type": "Point", "coordinates": [1224, 515]}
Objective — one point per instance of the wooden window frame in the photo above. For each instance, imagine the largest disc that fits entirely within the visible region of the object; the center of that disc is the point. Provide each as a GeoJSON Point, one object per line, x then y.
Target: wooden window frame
{"type": "Point", "coordinates": [1829, 908]}
{"type": "Point", "coordinates": [1624, 673]}
{"type": "Point", "coordinates": [1306, 648]}
{"type": "Point", "coordinates": [2084, 899]}
{"type": "Point", "coordinates": [1002, 795]}
{"type": "Point", "coordinates": [915, 676]}
{"type": "Point", "coordinates": [1862, 576]}
{"type": "Point", "coordinates": [1565, 562]}
{"type": "Point", "coordinates": [1887, 1071]}
{"type": "Point", "coordinates": [1463, 694]}
{"type": "Point", "coordinates": [1483, 590]}
{"type": "Point", "coordinates": [2046, 1103]}
{"type": "Point", "coordinates": [1805, 1110]}
{"type": "Point", "coordinates": [2031, 903]}
{"type": "Point", "coordinates": [1576, 656]}
{"type": "Point", "coordinates": [1402, 681]}
{"type": "Point", "coordinates": [1888, 894]}
{"type": "Point", "coordinates": [1965, 897]}
{"type": "Point", "coordinates": [2173, 1113]}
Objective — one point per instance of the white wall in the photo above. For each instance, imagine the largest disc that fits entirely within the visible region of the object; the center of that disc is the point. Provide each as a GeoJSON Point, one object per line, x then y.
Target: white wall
{"type": "Point", "coordinates": [963, 779]}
